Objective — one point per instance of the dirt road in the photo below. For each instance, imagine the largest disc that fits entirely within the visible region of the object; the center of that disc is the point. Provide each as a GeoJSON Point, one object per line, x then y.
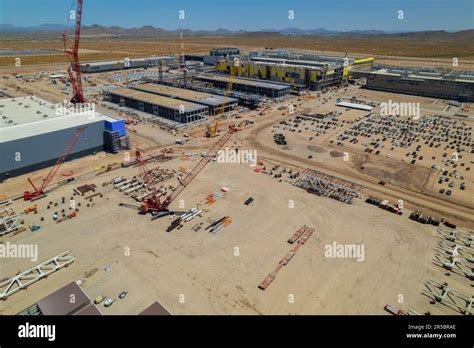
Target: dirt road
{"type": "Point", "coordinates": [446, 208]}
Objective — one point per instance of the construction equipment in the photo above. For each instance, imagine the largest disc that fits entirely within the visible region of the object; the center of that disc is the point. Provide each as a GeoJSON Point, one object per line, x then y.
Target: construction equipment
{"type": "Point", "coordinates": [31, 209]}
{"type": "Point", "coordinates": [152, 203]}
{"type": "Point", "coordinates": [39, 191]}
{"type": "Point", "coordinates": [71, 49]}
{"type": "Point", "coordinates": [212, 130]}
{"type": "Point", "coordinates": [67, 217]}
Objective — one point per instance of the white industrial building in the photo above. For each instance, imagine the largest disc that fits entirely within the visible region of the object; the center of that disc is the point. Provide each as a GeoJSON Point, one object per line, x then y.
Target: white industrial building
{"type": "Point", "coordinates": [111, 65]}
{"type": "Point", "coordinates": [35, 133]}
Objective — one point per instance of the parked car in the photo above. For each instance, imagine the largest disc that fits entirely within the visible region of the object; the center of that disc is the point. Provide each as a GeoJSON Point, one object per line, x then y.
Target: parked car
{"type": "Point", "coordinates": [108, 302]}
{"type": "Point", "coordinates": [99, 299]}
{"type": "Point", "coordinates": [123, 294]}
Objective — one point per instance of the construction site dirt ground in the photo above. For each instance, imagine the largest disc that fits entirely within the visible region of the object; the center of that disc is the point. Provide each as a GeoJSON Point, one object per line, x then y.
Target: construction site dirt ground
{"type": "Point", "coordinates": [203, 273]}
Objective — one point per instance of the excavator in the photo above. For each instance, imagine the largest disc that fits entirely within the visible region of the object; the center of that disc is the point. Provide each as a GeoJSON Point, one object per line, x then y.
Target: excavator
{"type": "Point", "coordinates": [212, 130]}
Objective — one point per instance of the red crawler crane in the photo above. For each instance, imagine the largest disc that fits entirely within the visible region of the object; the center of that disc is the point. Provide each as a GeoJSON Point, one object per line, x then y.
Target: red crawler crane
{"type": "Point", "coordinates": [39, 191]}
{"type": "Point", "coordinates": [72, 52]}
{"type": "Point", "coordinates": [153, 204]}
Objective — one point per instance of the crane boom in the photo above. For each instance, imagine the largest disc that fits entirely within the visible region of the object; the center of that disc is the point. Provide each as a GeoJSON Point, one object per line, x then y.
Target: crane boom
{"type": "Point", "coordinates": [200, 166]}
{"type": "Point", "coordinates": [73, 55]}
{"type": "Point", "coordinates": [38, 191]}
{"type": "Point", "coordinates": [153, 203]}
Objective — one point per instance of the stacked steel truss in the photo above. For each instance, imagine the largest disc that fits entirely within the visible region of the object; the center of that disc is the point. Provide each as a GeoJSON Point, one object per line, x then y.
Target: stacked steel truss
{"type": "Point", "coordinates": [449, 297]}
{"type": "Point", "coordinates": [460, 237]}
{"type": "Point", "coordinates": [327, 185]}
{"type": "Point", "coordinates": [28, 277]}
{"type": "Point", "coordinates": [456, 258]}
{"type": "Point", "coordinates": [9, 221]}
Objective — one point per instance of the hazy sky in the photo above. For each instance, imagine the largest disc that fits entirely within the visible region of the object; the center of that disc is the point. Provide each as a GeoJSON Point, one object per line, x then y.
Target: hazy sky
{"type": "Point", "coordinates": [251, 14]}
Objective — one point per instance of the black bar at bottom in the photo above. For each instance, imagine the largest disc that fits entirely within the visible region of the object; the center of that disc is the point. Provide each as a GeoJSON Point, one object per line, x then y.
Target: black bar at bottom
{"type": "Point", "coordinates": [136, 330]}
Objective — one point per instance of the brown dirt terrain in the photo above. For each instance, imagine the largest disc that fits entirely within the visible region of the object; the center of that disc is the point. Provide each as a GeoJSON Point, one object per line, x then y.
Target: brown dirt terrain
{"type": "Point", "coordinates": [422, 52]}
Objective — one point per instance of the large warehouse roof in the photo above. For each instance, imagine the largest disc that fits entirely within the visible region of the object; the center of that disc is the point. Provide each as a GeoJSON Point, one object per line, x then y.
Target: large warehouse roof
{"type": "Point", "coordinates": [185, 94]}
{"type": "Point", "coordinates": [296, 62]}
{"type": "Point", "coordinates": [113, 62]}
{"type": "Point", "coordinates": [156, 99]}
{"type": "Point", "coordinates": [420, 75]}
{"type": "Point", "coordinates": [28, 116]}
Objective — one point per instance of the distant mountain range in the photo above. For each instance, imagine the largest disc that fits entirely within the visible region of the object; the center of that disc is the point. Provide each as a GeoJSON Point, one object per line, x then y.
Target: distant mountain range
{"type": "Point", "coordinates": [151, 31]}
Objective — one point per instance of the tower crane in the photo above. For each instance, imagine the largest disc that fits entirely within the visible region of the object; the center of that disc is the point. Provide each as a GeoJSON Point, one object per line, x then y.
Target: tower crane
{"type": "Point", "coordinates": [39, 191]}
{"type": "Point", "coordinates": [153, 203]}
{"type": "Point", "coordinates": [71, 49]}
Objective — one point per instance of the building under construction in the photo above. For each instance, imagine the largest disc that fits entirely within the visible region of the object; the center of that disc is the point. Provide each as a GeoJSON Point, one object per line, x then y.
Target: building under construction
{"type": "Point", "coordinates": [217, 104]}
{"type": "Point", "coordinates": [34, 134]}
{"type": "Point", "coordinates": [302, 76]}
{"type": "Point", "coordinates": [430, 84]}
{"type": "Point", "coordinates": [312, 59]}
{"type": "Point", "coordinates": [301, 70]}
{"type": "Point", "coordinates": [251, 101]}
{"type": "Point", "coordinates": [169, 108]}
{"type": "Point", "coordinates": [250, 86]}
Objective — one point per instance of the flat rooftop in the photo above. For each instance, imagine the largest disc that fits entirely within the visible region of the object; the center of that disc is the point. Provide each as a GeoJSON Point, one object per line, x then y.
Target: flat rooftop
{"type": "Point", "coordinates": [28, 116]}
{"type": "Point", "coordinates": [290, 64]}
{"type": "Point", "coordinates": [185, 94]}
{"type": "Point", "coordinates": [154, 99]}
{"type": "Point", "coordinates": [299, 62]}
{"type": "Point", "coordinates": [409, 75]}
{"type": "Point", "coordinates": [111, 62]}
{"type": "Point", "coordinates": [245, 82]}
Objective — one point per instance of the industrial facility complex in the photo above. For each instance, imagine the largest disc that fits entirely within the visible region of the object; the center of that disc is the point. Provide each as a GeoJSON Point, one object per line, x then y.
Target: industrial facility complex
{"type": "Point", "coordinates": [303, 70]}
{"type": "Point", "coordinates": [223, 174]}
